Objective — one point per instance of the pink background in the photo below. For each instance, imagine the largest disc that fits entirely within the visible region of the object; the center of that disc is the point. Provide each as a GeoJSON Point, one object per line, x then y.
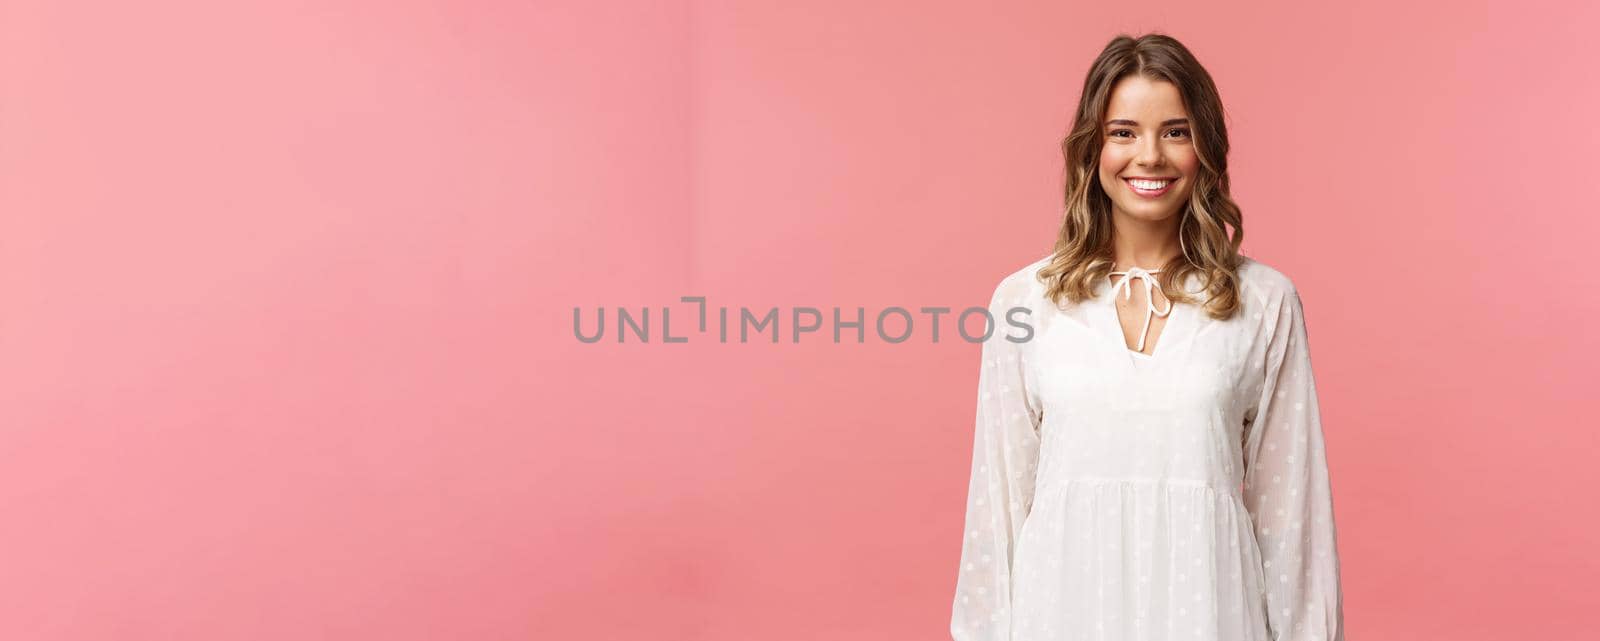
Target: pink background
{"type": "Point", "coordinates": [286, 349]}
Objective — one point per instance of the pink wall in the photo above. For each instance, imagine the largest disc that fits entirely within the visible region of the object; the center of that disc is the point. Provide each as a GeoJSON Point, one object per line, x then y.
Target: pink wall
{"type": "Point", "coordinates": [287, 351]}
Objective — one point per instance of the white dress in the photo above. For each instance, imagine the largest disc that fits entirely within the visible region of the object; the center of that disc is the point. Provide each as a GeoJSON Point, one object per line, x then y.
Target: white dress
{"type": "Point", "coordinates": [1118, 497]}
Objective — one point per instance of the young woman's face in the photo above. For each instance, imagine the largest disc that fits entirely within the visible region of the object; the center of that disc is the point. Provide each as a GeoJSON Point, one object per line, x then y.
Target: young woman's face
{"type": "Point", "coordinates": [1148, 161]}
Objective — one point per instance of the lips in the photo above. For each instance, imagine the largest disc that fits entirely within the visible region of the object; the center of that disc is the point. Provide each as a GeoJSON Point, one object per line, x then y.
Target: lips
{"type": "Point", "coordinates": [1150, 187]}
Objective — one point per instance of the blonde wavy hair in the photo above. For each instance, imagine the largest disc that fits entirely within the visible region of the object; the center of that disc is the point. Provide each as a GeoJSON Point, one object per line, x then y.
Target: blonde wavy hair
{"type": "Point", "coordinates": [1083, 250]}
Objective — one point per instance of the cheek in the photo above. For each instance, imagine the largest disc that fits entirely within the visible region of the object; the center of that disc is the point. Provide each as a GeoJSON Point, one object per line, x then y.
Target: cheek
{"type": "Point", "coordinates": [1111, 165]}
{"type": "Point", "coordinates": [1110, 160]}
{"type": "Point", "coordinates": [1189, 166]}
{"type": "Point", "coordinates": [1187, 161]}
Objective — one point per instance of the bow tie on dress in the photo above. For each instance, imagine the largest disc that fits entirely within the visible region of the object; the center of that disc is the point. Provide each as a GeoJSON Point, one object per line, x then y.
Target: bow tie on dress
{"type": "Point", "coordinates": [1150, 284]}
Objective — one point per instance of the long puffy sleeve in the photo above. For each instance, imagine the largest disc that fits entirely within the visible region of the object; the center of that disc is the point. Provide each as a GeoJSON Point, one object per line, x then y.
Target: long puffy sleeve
{"type": "Point", "coordinates": [1004, 461]}
{"type": "Point", "coordinates": [1287, 489]}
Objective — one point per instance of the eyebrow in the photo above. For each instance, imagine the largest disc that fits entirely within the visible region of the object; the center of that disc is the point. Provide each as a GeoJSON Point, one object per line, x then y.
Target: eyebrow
{"type": "Point", "coordinates": [1174, 121]}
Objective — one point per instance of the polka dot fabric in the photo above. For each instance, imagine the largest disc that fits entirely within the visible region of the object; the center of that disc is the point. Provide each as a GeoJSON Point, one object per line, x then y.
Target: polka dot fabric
{"type": "Point", "coordinates": [1181, 495]}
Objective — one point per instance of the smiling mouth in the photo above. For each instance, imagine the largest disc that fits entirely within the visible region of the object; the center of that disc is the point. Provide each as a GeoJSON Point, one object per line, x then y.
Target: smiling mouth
{"type": "Point", "coordinates": [1150, 187]}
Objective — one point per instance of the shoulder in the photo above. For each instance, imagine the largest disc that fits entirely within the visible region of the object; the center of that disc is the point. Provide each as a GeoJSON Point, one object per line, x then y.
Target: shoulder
{"type": "Point", "coordinates": [1264, 283]}
{"type": "Point", "coordinates": [1021, 285]}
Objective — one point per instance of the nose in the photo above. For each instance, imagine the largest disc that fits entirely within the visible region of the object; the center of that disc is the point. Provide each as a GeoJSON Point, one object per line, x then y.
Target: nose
{"type": "Point", "coordinates": [1149, 154]}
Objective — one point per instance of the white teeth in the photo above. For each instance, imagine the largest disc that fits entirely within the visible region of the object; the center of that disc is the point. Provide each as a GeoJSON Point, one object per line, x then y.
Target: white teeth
{"type": "Point", "coordinates": [1150, 185]}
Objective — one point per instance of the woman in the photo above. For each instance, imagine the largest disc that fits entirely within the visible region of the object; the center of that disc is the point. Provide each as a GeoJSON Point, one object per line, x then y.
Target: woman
{"type": "Point", "coordinates": [1149, 464]}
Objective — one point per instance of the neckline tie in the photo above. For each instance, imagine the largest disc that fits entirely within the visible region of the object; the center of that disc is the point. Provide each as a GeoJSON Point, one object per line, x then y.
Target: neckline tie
{"type": "Point", "coordinates": [1150, 285]}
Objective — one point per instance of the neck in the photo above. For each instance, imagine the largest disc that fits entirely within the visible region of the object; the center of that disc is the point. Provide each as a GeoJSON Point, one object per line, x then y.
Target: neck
{"type": "Point", "coordinates": [1144, 243]}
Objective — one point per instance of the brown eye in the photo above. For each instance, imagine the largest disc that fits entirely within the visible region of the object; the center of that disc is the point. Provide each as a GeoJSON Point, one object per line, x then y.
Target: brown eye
{"type": "Point", "coordinates": [1185, 132]}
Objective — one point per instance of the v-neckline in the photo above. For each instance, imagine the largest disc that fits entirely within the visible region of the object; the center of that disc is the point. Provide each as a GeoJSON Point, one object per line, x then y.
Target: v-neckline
{"type": "Point", "coordinates": [1110, 326]}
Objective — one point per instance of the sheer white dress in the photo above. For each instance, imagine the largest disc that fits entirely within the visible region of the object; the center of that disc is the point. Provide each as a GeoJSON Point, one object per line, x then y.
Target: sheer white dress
{"type": "Point", "coordinates": [1115, 496]}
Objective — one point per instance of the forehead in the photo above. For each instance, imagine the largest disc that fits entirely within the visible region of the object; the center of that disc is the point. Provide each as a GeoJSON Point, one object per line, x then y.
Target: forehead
{"type": "Point", "coordinates": [1147, 101]}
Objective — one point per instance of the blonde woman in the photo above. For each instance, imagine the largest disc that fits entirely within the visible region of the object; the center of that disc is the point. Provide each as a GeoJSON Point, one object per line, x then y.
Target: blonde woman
{"type": "Point", "coordinates": [1148, 462]}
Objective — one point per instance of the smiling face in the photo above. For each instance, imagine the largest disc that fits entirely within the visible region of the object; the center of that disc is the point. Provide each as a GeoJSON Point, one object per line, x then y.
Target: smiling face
{"type": "Point", "coordinates": [1148, 161]}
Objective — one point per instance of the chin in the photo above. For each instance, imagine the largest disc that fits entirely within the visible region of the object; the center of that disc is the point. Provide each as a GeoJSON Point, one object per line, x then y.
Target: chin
{"type": "Point", "coordinates": [1148, 212]}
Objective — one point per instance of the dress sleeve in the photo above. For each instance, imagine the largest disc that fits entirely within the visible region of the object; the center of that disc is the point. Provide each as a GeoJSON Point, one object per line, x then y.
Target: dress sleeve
{"type": "Point", "coordinates": [1287, 490]}
{"type": "Point", "coordinates": [1004, 460]}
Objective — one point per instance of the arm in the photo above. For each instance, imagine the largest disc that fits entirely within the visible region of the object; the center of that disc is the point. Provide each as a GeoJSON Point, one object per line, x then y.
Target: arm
{"type": "Point", "coordinates": [1287, 489]}
{"type": "Point", "coordinates": [1000, 495]}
